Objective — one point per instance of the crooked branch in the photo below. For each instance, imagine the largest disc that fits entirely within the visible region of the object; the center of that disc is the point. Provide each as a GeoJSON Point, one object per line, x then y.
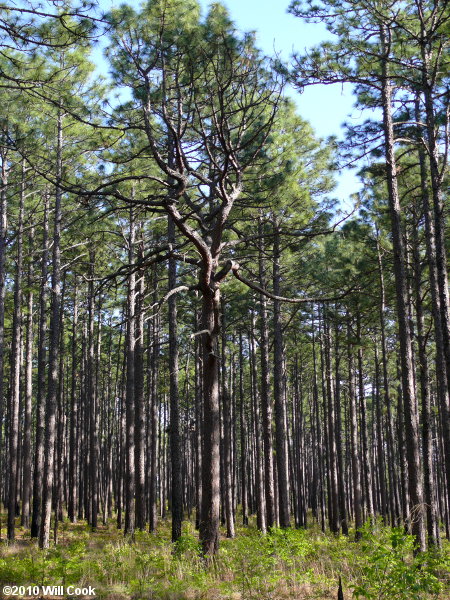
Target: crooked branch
{"type": "Point", "coordinates": [234, 267]}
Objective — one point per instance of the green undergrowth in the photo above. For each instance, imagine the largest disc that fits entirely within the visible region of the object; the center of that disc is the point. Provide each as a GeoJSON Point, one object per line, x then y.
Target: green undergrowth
{"type": "Point", "coordinates": [284, 564]}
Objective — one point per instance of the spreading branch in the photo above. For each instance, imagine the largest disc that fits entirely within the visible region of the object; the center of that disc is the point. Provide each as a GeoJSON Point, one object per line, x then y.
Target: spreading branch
{"type": "Point", "coordinates": [234, 267]}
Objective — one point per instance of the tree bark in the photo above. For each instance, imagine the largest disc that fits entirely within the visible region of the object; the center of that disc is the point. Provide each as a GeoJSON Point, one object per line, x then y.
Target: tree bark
{"type": "Point", "coordinates": [438, 280]}
{"type": "Point", "coordinates": [92, 401]}
{"type": "Point", "coordinates": [427, 443]}
{"type": "Point", "coordinates": [209, 520]}
{"type": "Point", "coordinates": [40, 392]}
{"type": "Point", "coordinates": [3, 244]}
{"type": "Point", "coordinates": [73, 441]}
{"type": "Point", "coordinates": [266, 403]}
{"type": "Point", "coordinates": [243, 435]}
{"type": "Point", "coordinates": [407, 368]}
{"type": "Point", "coordinates": [279, 391]}
{"type": "Point", "coordinates": [334, 513]}
{"type": "Point", "coordinates": [26, 477]}
{"type": "Point", "coordinates": [139, 426]}
{"type": "Point", "coordinates": [175, 441]}
{"type": "Point", "coordinates": [153, 420]}
{"type": "Point", "coordinates": [15, 372]}
{"type": "Point", "coordinates": [227, 441]}
{"type": "Point", "coordinates": [366, 462]}
{"type": "Point", "coordinates": [356, 476]}
{"type": "Point", "coordinates": [130, 472]}
{"type": "Point", "coordinates": [259, 476]}
{"type": "Point", "coordinates": [52, 392]}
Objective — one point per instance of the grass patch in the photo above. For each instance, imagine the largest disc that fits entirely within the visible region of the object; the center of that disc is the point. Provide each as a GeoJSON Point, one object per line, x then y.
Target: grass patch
{"type": "Point", "coordinates": [285, 564]}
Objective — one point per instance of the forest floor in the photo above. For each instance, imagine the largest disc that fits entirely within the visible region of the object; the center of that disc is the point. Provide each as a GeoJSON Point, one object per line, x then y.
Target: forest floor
{"type": "Point", "coordinates": [283, 565]}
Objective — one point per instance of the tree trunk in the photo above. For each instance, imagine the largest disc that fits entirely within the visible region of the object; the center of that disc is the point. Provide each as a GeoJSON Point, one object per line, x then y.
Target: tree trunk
{"type": "Point", "coordinates": [407, 368]}
{"type": "Point", "coordinates": [15, 372]}
{"type": "Point", "coordinates": [153, 421]}
{"type": "Point", "coordinates": [227, 450]}
{"type": "Point", "coordinates": [243, 435]}
{"type": "Point", "coordinates": [279, 391]}
{"type": "Point", "coordinates": [130, 472]}
{"type": "Point", "coordinates": [52, 392]}
{"type": "Point", "coordinates": [437, 282]}
{"type": "Point", "coordinates": [338, 435]}
{"type": "Point", "coordinates": [139, 425]}
{"type": "Point", "coordinates": [366, 462]}
{"type": "Point", "coordinates": [175, 442]}
{"type": "Point", "coordinates": [209, 520]}
{"type": "Point", "coordinates": [26, 481]}
{"type": "Point", "coordinates": [356, 476]}
{"type": "Point", "coordinates": [73, 441]}
{"type": "Point", "coordinates": [380, 441]}
{"type": "Point", "coordinates": [3, 243]}
{"type": "Point", "coordinates": [394, 494]}
{"type": "Point", "coordinates": [427, 442]}
{"type": "Point", "coordinates": [259, 475]}
{"type": "Point", "coordinates": [318, 431]}
{"type": "Point", "coordinates": [266, 403]}
{"type": "Point", "coordinates": [331, 424]}
{"type": "Point", "coordinates": [40, 392]}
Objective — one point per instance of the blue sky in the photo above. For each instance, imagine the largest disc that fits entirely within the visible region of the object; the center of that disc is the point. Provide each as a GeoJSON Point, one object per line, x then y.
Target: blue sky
{"type": "Point", "coordinates": [325, 107]}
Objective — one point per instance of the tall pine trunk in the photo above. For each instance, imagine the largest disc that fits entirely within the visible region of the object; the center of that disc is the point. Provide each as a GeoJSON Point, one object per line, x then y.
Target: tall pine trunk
{"type": "Point", "coordinates": [139, 425]}
{"type": "Point", "coordinates": [175, 441]}
{"type": "Point", "coordinates": [354, 446]}
{"type": "Point", "coordinates": [40, 392]}
{"type": "Point", "coordinates": [266, 402]}
{"type": "Point", "coordinates": [50, 420]}
{"type": "Point", "coordinates": [279, 391]}
{"type": "Point", "coordinates": [15, 372]}
{"type": "Point", "coordinates": [210, 324]}
{"type": "Point", "coordinates": [27, 456]}
{"type": "Point", "coordinates": [130, 471]}
{"type": "Point", "coordinates": [406, 356]}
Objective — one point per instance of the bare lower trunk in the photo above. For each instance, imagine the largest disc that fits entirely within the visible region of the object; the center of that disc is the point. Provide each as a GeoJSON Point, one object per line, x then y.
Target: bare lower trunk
{"type": "Point", "coordinates": [73, 450]}
{"type": "Point", "coordinates": [393, 495]}
{"type": "Point", "coordinates": [139, 425]}
{"type": "Point", "coordinates": [130, 390]}
{"type": "Point", "coordinates": [279, 394]}
{"type": "Point", "coordinates": [26, 480]}
{"type": "Point", "coordinates": [40, 392]}
{"type": "Point", "coordinates": [15, 374]}
{"type": "Point", "coordinates": [259, 475]}
{"type": "Point", "coordinates": [92, 401]}
{"type": "Point", "coordinates": [243, 435]}
{"type": "Point", "coordinates": [366, 462]}
{"type": "Point", "coordinates": [427, 442]}
{"type": "Point", "coordinates": [227, 442]}
{"type": "Point", "coordinates": [266, 402]}
{"type": "Point", "coordinates": [437, 262]}
{"type": "Point", "coordinates": [209, 520]}
{"type": "Point", "coordinates": [356, 476]}
{"type": "Point", "coordinates": [44, 535]}
{"type": "Point", "coordinates": [380, 442]}
{"type": "Point", "coordinates": [175, 441]}
{"type": "Point", "coordinates": [338, 435]}
{"type": "Point", "coordinates": [153, 419]}
{"type": "Point", "coordinates": [3, 234]}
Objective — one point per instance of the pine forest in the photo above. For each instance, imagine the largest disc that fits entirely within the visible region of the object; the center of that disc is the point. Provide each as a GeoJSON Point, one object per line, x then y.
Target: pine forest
{"type": "Point", "coordinates": [217, 379]}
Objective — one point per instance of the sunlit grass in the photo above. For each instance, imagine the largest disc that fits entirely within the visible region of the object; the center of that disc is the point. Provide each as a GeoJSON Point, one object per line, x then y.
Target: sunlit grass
{"type": "Point", "coordinates": [289, 564]}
